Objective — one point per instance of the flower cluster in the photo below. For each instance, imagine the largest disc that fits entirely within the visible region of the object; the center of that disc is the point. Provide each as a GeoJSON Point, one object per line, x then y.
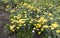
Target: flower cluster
{"type": "Point", "coordinates": [39, 18]}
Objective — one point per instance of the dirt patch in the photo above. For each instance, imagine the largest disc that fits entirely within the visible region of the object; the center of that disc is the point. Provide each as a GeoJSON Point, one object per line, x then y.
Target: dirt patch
{"type": "Point", "coordinates": [4, 19]}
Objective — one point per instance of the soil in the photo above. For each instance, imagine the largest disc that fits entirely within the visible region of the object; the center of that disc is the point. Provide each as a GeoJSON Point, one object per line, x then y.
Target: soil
{"type": "Point", "coordinates": [4, 19]}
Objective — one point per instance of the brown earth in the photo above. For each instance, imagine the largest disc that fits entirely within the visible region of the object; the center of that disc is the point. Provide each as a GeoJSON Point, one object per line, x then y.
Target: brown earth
{"type": "Point", "coordinates": [4, 19]}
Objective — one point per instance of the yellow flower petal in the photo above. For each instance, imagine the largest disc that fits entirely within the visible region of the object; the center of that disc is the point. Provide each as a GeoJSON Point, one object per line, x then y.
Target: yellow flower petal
{"type": "Point", "coordinates": [57, 31]}
{"type": "Point", "coordinates": [39, 32]}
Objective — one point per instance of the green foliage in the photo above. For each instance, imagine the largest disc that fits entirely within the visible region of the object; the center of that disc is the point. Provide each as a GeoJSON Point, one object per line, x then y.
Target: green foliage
{"type": "Point", "coordinates": [38, 15]}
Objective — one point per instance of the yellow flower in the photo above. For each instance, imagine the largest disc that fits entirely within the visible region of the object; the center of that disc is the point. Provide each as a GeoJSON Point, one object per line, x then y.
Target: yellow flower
{"type": "Point", "coordinates": [24, 24]}
{"type": "Point", "coordinates": [41, 19]}
{"type": "Point", "coordinates": [37, 29]}
{"type": "Point", "coordinates": [55, 25]}
{"type": "Point", "coordinates": [45, 26]}
{"type": "Point", "coordinates": [42, 29]}
{"type": "Point", "coordinates": [20, 25]}
{"type": "Point", "coordinates": [17, 27]}
{"type": "Point", "coordinates": [12, 19]}
{"type": "Point", "coordinates": [45, 20]}
{"type": "Point", "coordinates": [52, 28]}
{"type": "Point", "coordinates": [38, 25]}
{"type": "Point", "coordinates": [7, 6]}
{"type": "Point", "coordinates": [39, 32]}
{"type": "Point", "coordinates": [21, 20]}
{"type": "Point", "coordinates": [50, 14]}
{"type": "Point", "coordinates": [29, 6]}
{"type": "Point", "coordinates": [32, 7]}
{"type": "Point", "coordinates": [12, 10]}
{"type": "Point", "coordinates": [12, 28]}
{"type": "Point", "coordinates": [34, 28]}
{"type": "Point", "coordinates": [52, 18]}
{"type": "Point", "coordinates": [25, 4]}
{"type": "Point", "coordinates": [15, 16]}
{"type": "Point", "coordinates": [57, 31]}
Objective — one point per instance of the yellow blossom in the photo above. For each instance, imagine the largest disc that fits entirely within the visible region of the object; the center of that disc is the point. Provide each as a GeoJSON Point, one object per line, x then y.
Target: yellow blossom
{"type": "Point", "coordinates": [52, 28]}
{"type": "Point", "coordinates": [39, 32]}
{"type": "Point", "coordinates": [12, 27]}
{"type": "Point", "coordinates": [20, 25]}
{"type": "Point", "coordinates": [41, 19]}
{"type": "Point", "coordinates": [45, 26]}
{"type": "Point", "coordinates": [52, 18]}
{"type": "Point", "coordinates": [50, 14]}
{"type": "Point", "coordinates": [12, 19]}
{"type": "Point", "coordinates": [42, 29]}
{"type": "Point", "coordinates": [24, 24]}
{"type": "Point", "coordinates": [45, 20]}
{"type": "Point", "coordinates": [55, 25]}
{"type": "Point", "coordinates": [37, 26]}
{"type": "Point", "coordinates": [57, 31]}
{"type": "Point", "coordinates": [25, 4]}
{"type": "Point", "coordinates": [34, 28]}
{"type": "Point", "coordinates": [21, 20]}
{"type": "Point", "coordinates": [29, 6]}
{"type": "Point", "coordinates": [7, 6]}
{"type": "Point", "coordinates": [37, 29]}
{"type": "Point", "coordinates": [13, 10]}
{"type": "Point", "coordinates": [17, 27]}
